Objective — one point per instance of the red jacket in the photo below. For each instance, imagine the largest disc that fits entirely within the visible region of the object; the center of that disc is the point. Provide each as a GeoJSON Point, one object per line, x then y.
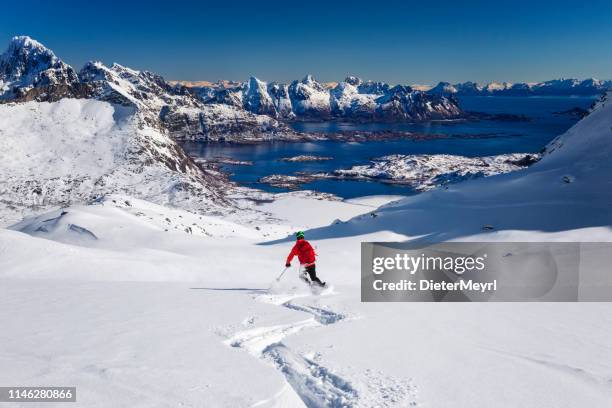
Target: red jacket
{"type": "Point", "coordinates": [304, 252]}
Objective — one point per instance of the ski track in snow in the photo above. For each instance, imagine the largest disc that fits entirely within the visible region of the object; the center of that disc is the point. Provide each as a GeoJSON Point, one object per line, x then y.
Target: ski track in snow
{"type": "Point", "coordinates": [316, 385]}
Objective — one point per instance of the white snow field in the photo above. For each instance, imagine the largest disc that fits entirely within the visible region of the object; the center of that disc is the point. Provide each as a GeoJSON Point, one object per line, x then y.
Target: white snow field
{"type": "Point", "coordinates": [75, 150]}
{"type": "Point", "coordinates": [141, 305]}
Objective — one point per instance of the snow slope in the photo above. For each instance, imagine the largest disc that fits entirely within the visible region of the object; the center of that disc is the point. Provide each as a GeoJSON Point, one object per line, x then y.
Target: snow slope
{"type": "Point", "coordinates": [75, 151]}
{"type": "Point", "coordinates": [166, 318]}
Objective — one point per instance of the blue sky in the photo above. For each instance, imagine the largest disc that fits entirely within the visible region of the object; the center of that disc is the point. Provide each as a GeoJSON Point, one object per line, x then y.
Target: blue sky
{"type": "Point", "coordinates": [398, 42]}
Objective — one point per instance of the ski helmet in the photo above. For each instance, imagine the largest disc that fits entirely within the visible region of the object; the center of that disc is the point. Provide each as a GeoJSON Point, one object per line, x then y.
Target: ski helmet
{"type": "Point", "coordinates": [299, 235]}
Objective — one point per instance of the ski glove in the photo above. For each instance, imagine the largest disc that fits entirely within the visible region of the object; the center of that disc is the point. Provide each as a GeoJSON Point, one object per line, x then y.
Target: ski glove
{"type": "Point", "coordinates": [287, 265]}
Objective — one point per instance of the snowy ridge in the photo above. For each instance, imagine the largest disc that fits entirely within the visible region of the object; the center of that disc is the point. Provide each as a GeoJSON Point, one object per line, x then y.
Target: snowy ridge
{"type": "Point", "coordinates": [175, 109]}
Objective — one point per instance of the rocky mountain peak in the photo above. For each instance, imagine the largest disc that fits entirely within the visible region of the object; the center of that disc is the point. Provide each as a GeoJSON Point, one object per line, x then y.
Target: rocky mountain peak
{"type": "Point", "coordinates": [255, 82]}
{"type": "Point", "coordinates": [27, 45]}
{"type": "Point", "coordinates": [28, 64]}
{"type": "Point", "coordinates": [256, 98]}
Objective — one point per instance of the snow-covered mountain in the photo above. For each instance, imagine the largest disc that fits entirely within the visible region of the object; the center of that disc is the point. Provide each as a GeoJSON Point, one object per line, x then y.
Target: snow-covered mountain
{"type": "Point", "coordinates": [352, 99]}
{"type": "Point", "coordinates": [79, 150]}
{"type": "Point", "coordinates": [557, 87]}
{"type": "Point", "coordinates": [589, 86]}
{"type": "Point", "coordinates": [257, 99]}
{"type": "Point", "coordinates": [279, 93]}
{"type": "Point", "coordinates": [27, 65]}
{"type": "Point", "coordinates": [310, 99]}
{"type": "Point", "coordinates": [30, 71]}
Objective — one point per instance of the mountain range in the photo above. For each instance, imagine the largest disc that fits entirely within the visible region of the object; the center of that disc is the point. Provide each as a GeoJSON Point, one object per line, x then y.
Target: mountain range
{"type": "Point", "coordinates": [31, 72]}
{"type": "Point", "coordinates": [555, 87]}
{"type": "Point", "coordinates": [251, 110]}
{"type": "Point", "coordinates": [357, 100]}
{"type": "Point", "coordinates": [352, 99]}
{"type": "Point", "coordinates": [254, 109]}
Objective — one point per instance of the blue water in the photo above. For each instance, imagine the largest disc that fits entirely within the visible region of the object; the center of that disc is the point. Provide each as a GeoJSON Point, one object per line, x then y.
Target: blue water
{"type": "Point", "coordinates": [485, 138]}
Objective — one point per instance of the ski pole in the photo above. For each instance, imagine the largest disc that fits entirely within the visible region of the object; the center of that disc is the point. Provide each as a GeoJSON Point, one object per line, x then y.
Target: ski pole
{"type": "Point", "coordinates": [282, 273]}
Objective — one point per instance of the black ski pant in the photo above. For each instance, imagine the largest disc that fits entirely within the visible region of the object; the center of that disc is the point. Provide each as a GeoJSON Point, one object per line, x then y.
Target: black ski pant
{"type": "Point", "coordinates": [312, 272]}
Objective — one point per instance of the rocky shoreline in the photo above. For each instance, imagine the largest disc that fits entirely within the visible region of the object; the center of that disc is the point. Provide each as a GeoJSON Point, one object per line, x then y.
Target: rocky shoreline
{"type": "Point", "coordinates": [345, 136]}
{"type": "Point", "coordinates": [305, 158]}
{"type": "Point", "coordinates": [421, 172]}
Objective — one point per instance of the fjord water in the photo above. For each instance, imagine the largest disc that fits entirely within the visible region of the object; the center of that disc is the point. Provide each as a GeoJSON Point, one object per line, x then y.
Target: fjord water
{"type": "Point", "coordinates": [467, 138]}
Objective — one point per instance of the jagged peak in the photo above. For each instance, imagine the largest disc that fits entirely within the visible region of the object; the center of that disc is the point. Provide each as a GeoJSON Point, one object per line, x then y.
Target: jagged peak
{"type": "Point", "coordinates": [21, 46]}
{"type": "Point", "coordinates": [24, 42]}
{"type": "Point", "coordinates": [28, 63]}
{"type": "Point", "coordinates": [255, 82]}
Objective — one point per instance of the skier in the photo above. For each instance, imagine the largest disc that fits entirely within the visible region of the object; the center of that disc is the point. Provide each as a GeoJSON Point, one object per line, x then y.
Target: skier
{"type": "Point", "coordinates": [306, 255]}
